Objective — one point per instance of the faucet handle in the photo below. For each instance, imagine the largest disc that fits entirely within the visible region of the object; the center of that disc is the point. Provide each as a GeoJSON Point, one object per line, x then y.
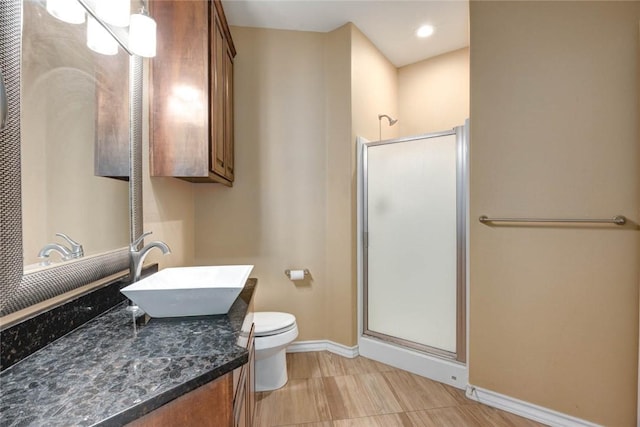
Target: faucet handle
{"type": "Point", "coordinates": [134, 246]}
{"type": "Point", "coordinates": [76, 248]}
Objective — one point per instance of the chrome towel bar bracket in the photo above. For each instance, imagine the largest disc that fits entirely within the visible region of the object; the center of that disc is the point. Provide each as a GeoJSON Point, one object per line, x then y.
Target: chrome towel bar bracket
{"type": "Point", "coordinates": [618, 220]}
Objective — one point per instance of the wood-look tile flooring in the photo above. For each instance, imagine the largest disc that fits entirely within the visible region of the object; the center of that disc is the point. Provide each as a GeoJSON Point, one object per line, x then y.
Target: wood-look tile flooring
{"type": "Point", "coordinates": [327, 390]}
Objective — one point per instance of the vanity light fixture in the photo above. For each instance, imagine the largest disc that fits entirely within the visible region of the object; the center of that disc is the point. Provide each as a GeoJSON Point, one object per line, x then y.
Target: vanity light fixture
{"type": "Point", "coordinates": [68, 11]}
{"type": "Point", "coordinates": [425, 31]}
{"type": "Point", "coordinates": [142, 34]}
{"type": "Point", "coordinates": [109, 25]}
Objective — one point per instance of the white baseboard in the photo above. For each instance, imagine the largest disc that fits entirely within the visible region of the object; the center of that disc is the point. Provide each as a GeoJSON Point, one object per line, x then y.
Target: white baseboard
{"type": "Point", "coordinates": [322, 345]}
{"type": "Point", "coordinates": [525, 409]}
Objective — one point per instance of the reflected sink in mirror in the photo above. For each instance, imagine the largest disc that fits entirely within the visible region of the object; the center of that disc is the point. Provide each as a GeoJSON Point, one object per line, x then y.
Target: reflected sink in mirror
{"type": "Point", "coordinates": [189, 291]}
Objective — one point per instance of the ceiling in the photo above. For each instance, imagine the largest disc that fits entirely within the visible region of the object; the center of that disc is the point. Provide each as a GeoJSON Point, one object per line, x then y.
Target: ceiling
{"type": "Point", "coordinates": [389, 24]}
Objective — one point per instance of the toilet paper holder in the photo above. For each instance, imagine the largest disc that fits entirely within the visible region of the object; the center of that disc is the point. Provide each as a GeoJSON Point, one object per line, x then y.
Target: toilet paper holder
{"type": "Point", "coordinates": [288, 273]}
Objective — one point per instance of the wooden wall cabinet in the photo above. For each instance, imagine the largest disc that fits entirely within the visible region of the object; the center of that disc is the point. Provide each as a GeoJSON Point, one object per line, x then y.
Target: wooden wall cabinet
{"type": "Point", "coordinates": [191, 106]}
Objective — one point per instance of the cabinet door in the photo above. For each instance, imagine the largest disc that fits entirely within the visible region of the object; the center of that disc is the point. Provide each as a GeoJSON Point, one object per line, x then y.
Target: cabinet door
{"type": "Point", "coordinates": [218, 54]}
{"type": "Point", "coordinates": [251, 379]}
{"type": "Point", "coordinates": [240, 401]}
{"type": "Point", "coordinates": [228, 110]}
{"type": "Point", "coordinates": [179, 117]}
{"type": "Point", "coordinates": [245, 401]}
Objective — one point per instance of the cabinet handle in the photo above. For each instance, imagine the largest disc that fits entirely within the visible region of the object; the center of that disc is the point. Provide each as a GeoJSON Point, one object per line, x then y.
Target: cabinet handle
{"type": "Point", "coordinates": [4, 108]}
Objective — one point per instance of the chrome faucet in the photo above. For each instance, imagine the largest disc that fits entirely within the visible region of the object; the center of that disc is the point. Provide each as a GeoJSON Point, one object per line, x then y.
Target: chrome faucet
{"type": "Point", "coordinates": [137, 257]}
{"type": "Point", "coordinates": [75, 251]}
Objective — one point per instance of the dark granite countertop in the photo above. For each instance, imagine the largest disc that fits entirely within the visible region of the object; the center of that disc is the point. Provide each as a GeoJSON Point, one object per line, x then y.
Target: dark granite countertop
{"type": "Point", "coordinates": [113, 370]}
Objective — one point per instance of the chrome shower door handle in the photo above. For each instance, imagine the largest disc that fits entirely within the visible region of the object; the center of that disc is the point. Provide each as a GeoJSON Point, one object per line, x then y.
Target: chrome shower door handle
{"type": "Point", "coordinates": [4, 105]}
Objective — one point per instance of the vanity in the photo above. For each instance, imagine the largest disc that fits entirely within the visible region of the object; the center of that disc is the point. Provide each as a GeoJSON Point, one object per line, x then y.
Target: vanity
{"type": "Point", "coordinates": [115, 370]}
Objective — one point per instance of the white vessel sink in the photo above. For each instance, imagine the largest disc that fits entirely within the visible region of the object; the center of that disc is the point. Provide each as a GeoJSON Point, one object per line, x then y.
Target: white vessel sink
{"type": "Point", "coordinates": [189, 291]}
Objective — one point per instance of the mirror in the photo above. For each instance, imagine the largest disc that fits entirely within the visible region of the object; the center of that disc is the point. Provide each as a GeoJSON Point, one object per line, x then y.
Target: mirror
{"type": "Point", "coordinates": [74, 135]}
{"type": "Point", "coordinates": [20, 291]}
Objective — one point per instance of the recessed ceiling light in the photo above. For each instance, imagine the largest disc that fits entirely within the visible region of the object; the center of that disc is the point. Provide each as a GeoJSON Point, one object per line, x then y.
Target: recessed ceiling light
{"type": "Point", "coordinates": [425, 31]}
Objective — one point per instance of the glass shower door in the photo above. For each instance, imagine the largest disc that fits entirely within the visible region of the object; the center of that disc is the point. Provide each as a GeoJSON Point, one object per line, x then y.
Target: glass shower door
{"type": "Point", "coordinates": [413, 289]}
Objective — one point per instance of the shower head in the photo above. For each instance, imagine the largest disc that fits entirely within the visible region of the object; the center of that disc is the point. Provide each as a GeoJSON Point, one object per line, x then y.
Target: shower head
{"type": "Point", "coordinates": [391, 120]}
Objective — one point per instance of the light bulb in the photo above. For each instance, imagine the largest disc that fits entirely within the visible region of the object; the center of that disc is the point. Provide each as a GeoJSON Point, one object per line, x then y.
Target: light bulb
{"type": "Point", "coordinates": [69, 11]}
{"type": "Point", "coordinates": [99, 40]}
{"type": "Point", "coordinates": [142, 35]}
{"type": "Point", "coordinates": [425, 31]}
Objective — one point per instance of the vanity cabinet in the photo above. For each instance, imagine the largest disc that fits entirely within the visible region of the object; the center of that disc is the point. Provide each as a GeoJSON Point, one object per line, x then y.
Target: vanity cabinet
{"type": "Point", "coordinates": [208, 406]}
{"type": "Point", "coordinates": [226, 401]}
{"type": "Point", "coordinates": [191, 120]}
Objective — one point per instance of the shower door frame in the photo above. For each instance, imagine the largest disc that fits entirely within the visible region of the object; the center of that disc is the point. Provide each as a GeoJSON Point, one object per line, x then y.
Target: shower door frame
{"type": "Point", "coordinates": [460, 355]}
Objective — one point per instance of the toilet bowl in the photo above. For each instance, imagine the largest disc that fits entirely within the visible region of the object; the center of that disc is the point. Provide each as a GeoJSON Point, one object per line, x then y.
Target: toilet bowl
{"type": "Point", "coordinates": [273, 333]}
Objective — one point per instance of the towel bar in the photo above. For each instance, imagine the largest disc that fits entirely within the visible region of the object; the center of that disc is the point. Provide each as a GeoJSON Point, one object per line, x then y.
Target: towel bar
{"type": "Point", "coordinates": [618, 220]}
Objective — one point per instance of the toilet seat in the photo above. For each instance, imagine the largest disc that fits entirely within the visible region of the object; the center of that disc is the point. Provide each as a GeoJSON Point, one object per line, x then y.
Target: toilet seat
{"type": "Point", "coordinates": [269, 323]}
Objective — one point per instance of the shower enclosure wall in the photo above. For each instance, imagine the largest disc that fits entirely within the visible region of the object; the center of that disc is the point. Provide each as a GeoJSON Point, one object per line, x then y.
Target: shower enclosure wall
{"type": "Point", "coordinates": [412, 254]}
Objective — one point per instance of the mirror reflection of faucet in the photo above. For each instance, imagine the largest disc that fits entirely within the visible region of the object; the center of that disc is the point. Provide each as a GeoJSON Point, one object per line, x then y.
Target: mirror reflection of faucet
{"type": "Point", "coordinates": [74, 250]}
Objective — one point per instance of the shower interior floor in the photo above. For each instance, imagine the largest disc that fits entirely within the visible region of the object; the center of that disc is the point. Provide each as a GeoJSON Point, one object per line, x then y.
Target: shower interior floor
{"type": "Point", "coordinates": [327, 390]}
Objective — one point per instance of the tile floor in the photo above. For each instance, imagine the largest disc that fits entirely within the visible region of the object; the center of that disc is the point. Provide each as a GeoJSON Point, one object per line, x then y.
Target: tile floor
{"type": "Point", "coordinates": [327, 390]}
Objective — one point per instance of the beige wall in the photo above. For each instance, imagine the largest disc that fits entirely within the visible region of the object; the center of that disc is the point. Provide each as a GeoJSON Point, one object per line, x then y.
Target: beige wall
{"type": "Point", "coordinates": [433, 95]}
{"type": "Point", "coordinates": [554, 133]}
{"type": "Point", "coordinates": [168, 205]}
{"type": "Point", "coordinates": [274, 216]}
{"type": "Point", "coordinates": [374, 90]}
{"type": "Point", "coordinates": [340, 313]}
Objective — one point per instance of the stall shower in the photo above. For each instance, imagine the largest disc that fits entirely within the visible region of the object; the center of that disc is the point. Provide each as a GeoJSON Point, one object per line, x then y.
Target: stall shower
{"type": "Point", "coordinates": [412, 253]}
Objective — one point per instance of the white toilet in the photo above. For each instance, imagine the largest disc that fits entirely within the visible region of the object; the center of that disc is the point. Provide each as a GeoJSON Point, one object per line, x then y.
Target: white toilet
{"type": "Point", "coordinates": [273, 333]}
